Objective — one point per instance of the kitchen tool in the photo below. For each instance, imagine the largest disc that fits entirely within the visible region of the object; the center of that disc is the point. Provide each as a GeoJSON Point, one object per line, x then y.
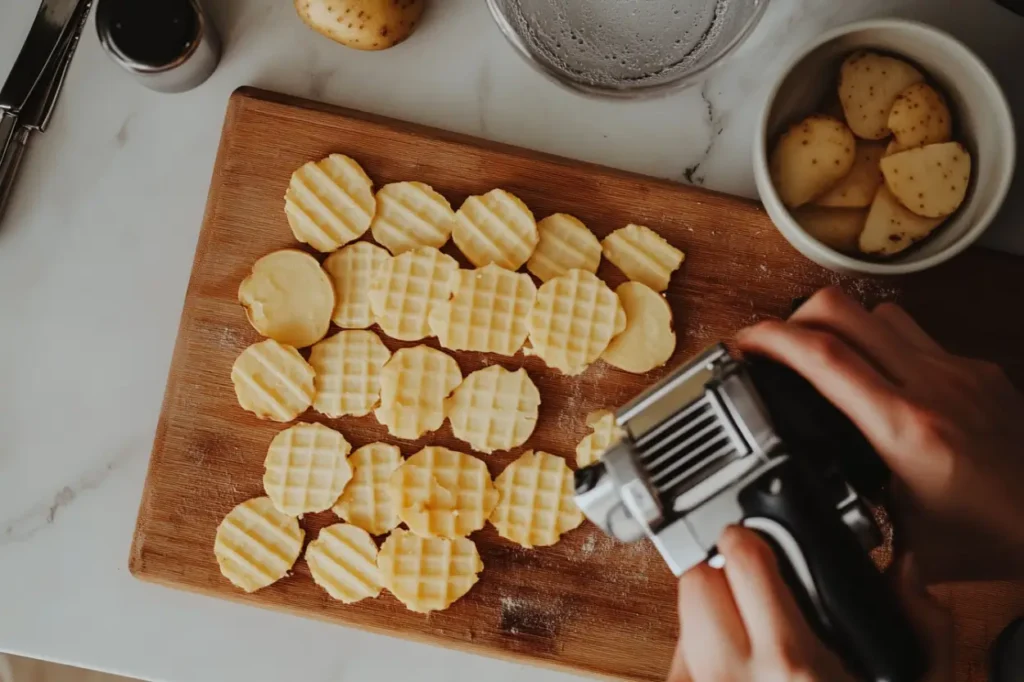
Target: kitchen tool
{"type": "Point", "coordinates": [587, 603]}
{"type": "Point", "coordinates": [981, 114]}
{"type": "Point", "coordinates": [29, 96]}
{"type": "Point", "coordinates": [625, 49]}
{"type": "Point", "coordinates": [168, 45]}
{"type": "Point", "coordinates": [1007, 660]}
{"type": "Point", "coordinates": [721, 442]}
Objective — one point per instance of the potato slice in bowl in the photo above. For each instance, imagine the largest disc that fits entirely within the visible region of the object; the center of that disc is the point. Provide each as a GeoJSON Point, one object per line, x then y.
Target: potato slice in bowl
{"type": "Point", "coordinates": [919, 117]}
{"type": "Point", "coordinates": [837, 228]}
{"type": "Point", "coordinates": [930, 181]}
{"type": "Point", "coordinates": [858, 187]}
{"type": "Point", "coordinates": [891, 228]}
{"type": "Point", "coordinates": [811, 157]}
{"type": "Point", "coordinates": [869, 83]}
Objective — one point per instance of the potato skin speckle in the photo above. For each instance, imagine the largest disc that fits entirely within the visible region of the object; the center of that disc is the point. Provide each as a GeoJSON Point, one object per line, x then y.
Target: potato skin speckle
{"type": "Point", "coordinates": [362, 24]}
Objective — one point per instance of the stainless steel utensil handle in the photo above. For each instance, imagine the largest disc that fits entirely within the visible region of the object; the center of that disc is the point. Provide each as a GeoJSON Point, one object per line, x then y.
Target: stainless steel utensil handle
{"type": "Point", "coordinates": [9, 164]}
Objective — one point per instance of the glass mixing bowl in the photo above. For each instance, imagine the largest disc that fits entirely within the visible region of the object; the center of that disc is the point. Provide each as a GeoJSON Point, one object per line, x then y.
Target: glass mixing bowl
{"type": "Point", "coordinates": [625, 48]}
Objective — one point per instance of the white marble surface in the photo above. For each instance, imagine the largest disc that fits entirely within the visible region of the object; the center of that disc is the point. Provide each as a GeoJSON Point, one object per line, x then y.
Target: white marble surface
{"type": "Point", "coordinates": [95, 254]}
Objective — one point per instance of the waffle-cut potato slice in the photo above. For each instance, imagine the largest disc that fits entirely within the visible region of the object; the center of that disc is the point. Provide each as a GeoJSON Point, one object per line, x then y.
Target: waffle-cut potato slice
{"type": "Point", "coordinates": [857, 188]}
{"type": "Point", "coordinates": [411, 215]}
{"type": "Point", "coordinates": [306, 468]}
{"type": "Point", "coordinates": [564, 244]}
{"type": "Point", "coordinates": [343, 561]}
{"type": "Point", "coordinates": [836, 228]}
{"type": "Point", "coordinates": [362, 24]}
{"type": "Point", "coordinates": [488, 310]}
{"type": "Point", "coordinates": [443, 492]}
{"type": "Point", "coordinates": [643, 255]}
{"type": "Point", "coordinates": [367, 502]}
{"type": "Point", "coordinates": [347, 367]}
{"type": "Point", "coordinates": [920, 117]}
{"type": "Point", "coordinates": [869, 84]}
{"type": "Point", "coordinates": [573, 319]}
{"type": "Point", "coordinates": [537, 500]}
{"type": "Point", "coordinates": [428, 574]}
{"type": "Point", "coordinates": [413, 386]}
{"type": "Point", "coordinates": [495, 228]}
{"type": "Point", "coordinates": [494, 409]}
{"type": "Point", "coordinates": [405, 287]}
{"type": "Point", "coordinates": [891, 228]}
{"type": "Point", "coordinates": [648, 340]}
{"type": "Point", "coordinates": [256, 545]}
{"type": "Point", "coordinates": [810, 158]}
{"type": "Point", "coordinates": [273, 381]}
{"type": "Point", "coordinates": [288, 297]}
{"type": "Point", "coordinates": [351, 270]}
{"type": "Point", "coordinates": [329, 203]}
{"type": "Point", "coordinates": [605, 434]}
{"type": "Point", "coordinates": [930, 181]}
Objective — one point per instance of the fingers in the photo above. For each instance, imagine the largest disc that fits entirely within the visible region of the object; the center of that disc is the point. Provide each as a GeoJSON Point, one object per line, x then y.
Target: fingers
{"type": "Point", "coordinates": [838, 371]}
{"type": "Point", "coordinates": [775, 624]}
{"type": "Point", "coordinates": [933, 623]}
{"type": "Point", "coordinates": [711, 630]}
{"type": "Point", "coordinates": [906, 327]}
{"type": "Point", "coordinates": [832, 310]}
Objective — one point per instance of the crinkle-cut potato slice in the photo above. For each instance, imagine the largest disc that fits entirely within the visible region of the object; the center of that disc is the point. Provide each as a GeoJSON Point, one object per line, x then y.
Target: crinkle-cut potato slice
{"type": "Point", "coordinates": [494, 409]}
{"type": "Point", "coordinates": [920, 117]}
{"type": "Point", "coordinates": [443, 492]}
{"type": "Point", "coordinates": [347, 367]}
{"type": "Point", "coordinates": [362, 24]}
{"type": "Point", "coordinates": [643, 255]}
{"type": "Point", "coordinates": [351, 269]}
{"type": "Point", "coordinates": [413, 386]}
{"type": "Point", "coordinates": [810, 158]}
{"type": "Point", "coordinates": [488, 310]}
{"type": "Point", "coordinates": [869, 83]}
{"type": "Point", "coordinates": [573, 319]}
{"type": "Point", "coordinates": [858, 187]}
{"type": "Point", "coordinates": [428, 574]}
{"type": "Point", "coordinates": [648, 340]}
{"type": "Point", "coordinates": [256, 545]}
{"type": "Point", "coordinates": [496, 227]}
{"type": "Point", "coordinates": [343, 561]}
{"type": "Point", "coordinates": [931, 181]}
{"type": "Point", "coordinates": [836, 228]}
{"type": "Point", "coordinates": [538, 501]}
{"type": "Point", "coordinates": [565, 244]}
{"type": "Point", "coordinates": [329, 202]}
{"type": "Point", "coordinates": [306, 468]}
{"type": "Point", "coordinates": [273, 381]}
{"type": "Point", "coordinates": [366, 501]}
{"type": "Point", "coordinates": [411, 215]}
{"type": "Point", "coordinates": [891, 228]}
{"type": "Point", "coordinates": [605, 434]}
{"type": "Point", "coordinates": [288, 297]}
{"type": "Point", "coordinates": [404, 288]}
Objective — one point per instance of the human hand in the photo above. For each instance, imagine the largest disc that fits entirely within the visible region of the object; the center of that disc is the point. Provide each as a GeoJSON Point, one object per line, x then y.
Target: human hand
{"type": "Point", "coordinates": [951, 429]}
{"type": "Point", "coordinates": [742, 624]}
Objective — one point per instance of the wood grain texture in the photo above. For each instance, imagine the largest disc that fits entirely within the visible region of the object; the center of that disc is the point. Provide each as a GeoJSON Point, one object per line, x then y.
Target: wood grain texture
{"type": "Point", "coordinates": [585, 604]}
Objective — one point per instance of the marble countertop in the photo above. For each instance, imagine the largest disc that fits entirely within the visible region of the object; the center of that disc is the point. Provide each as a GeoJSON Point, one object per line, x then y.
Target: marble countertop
{"type": "Point", "coordinates": [95, 254]}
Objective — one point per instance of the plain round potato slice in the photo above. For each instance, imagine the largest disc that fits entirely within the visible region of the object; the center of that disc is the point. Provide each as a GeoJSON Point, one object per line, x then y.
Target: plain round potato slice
{"type": "Point", "coordinates": [857, 189]}
{"type": "Point", "coordinates": [869, 83]}
{"type": "Point", "coordinates": [648, 340]}
{"type": "Point", "coordinates": [811, 157]}
{"type": "Point", "coordinates": [920, 117]}
{"type": "Point", "coordinates": [837, 228]}
{"type": "Point", "coordinates": [891, 228]}
{"type": "Point", "coordinates": [362, 24]}
{"type": "Point", "coordinates": [930, 181]}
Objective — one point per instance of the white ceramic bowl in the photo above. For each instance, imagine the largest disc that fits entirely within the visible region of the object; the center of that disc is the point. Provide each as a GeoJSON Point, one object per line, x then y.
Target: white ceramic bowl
{"type": "Point", "coordinates": [981, 118]}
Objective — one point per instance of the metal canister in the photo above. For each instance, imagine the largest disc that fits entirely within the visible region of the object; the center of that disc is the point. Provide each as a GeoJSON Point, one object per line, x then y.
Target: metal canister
{"type": "Point", "coordinates": [168, 45]}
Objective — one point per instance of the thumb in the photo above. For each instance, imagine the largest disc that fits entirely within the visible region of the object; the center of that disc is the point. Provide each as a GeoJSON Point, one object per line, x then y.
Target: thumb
{"type": "Point", "coordinates": [932, 622]}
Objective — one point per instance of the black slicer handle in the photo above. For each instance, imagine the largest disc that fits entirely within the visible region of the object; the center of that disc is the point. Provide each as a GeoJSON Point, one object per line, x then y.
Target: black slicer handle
{"type": "Point", "coordinates": [865, 625]}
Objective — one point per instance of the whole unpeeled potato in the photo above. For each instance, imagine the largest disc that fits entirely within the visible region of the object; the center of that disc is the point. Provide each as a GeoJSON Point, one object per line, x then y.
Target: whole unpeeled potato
{"type": "Point", "coordinates": [362, 24]}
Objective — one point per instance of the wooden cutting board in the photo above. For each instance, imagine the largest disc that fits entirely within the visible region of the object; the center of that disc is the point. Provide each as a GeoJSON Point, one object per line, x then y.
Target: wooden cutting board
{"type": "Point", "coordinates": [585, 604]}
